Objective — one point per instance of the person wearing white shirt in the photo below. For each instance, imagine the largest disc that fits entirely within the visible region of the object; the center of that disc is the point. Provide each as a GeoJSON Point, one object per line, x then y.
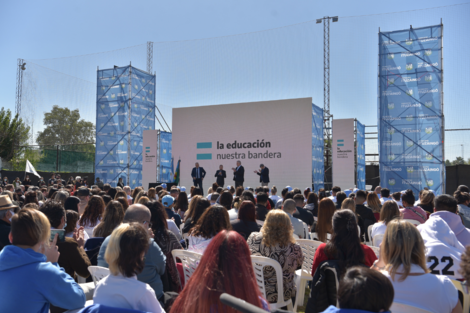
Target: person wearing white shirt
{"type": "Point", "coordinates": [403, 261]}
{"type": "Point", "coordinates": [388, 212]}
{"type": "Point", "coordinates": [174, 229]}
{"type": "Point", "coordinates": [125, 256]}
{"type": "Point", "coordinates": [385, 195]}
{"type": "Point", "coordinates": [334, 190]}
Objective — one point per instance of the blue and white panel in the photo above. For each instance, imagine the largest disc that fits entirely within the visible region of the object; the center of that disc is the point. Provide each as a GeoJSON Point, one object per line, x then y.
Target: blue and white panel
{"type": "Point", "coordinates": [318, 174]}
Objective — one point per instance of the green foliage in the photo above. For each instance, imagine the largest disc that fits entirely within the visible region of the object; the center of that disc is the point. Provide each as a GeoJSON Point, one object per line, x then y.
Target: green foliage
{"type": "Point", "coordinates": [64, 127]}
{"type": "Point", "coordinates": [13, 134]}
{"type": "Point", "coordinates": [457, 161]}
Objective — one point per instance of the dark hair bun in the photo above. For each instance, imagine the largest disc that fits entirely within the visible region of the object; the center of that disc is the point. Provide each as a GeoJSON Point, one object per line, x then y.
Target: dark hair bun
{"type": "Point", "coordinates": [409, 192]}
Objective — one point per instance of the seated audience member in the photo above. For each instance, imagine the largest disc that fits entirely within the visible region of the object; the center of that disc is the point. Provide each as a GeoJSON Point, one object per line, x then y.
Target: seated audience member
{"type": "Point", "coordinates": [71, 226]}
{"type": "Point", "coordinates": [426, 201]}
{"type": "Point", "coordinates": [397, 198]}
{"type": "Point", "coordinates": [167, 241]}
{"type": "Point", "coordinates": [6, 213]}
{"type": "Point", "coordinates": [276, 241]}
{"type": "Point", "coordinates": [112, 218]}
{"type": "Point", "coordinates": [297, 225]}
{"type": "Point", "coordinates": [363, 290]}
{"type": "Point", "coordinates": [441, 244]}
{"type": "Point", "coordinates": [445, 207]}
{"type": "Point", "coordinates": [197, 207]}
{"type": "Point", "coordinates": [463, 200]}
{"type": "Point", "coordinates": [465, 265]}
{"type": "Point", "coordinates": [403, 261]}
{"type": "Point", "coordinates": [334, 191]}
{"type": "Point", "coordinates": [279, 202]}
{"type": "Point", "coordinates": [168, 202]}
{"type": "Point", "coordinates": [411, 212]}
{"type": "Point", "coordinates": [302, 214]}
{"type": "Point", "coordinates": [312, 204]}
{"type": "Point", "coordinates": [224, 268]}
{"type": "Point", "coordinates": [73, 257]}
{"type": "Point", "coordinates": [351, 205]}
{"type": "Point", "coordinates": [154, 261]}
{"type": "Point", "coordinates": [31, 279]}
{"type": "Point", "coordinates": [92, 215]}
{"type": "Point", "coordinates": [30, 197]}
{"type": "Point", "coordinates": [374, 204]}
{"type": "Point", "coordinates": [365, 212]}
{"type": "Point", "coordinates": [388, 213]}
{"type": "Point", "coordinates": [246, 222]}
{"type": "Point", "coordinates": [124, 203]}
{"type": "Point", "coordinates": [125, 255]}
{"type": "Point", "coordinates": [385, 195]}
{"type": "Point", "coordinates": [261, 210]}
{"type": "Point", "coordinates": [83, 195]}
{"type": "Point", "coordinates": [345, 245]}
{"type": "Point", "coordinates": [274, 197]}
{"type": "Point", "coordinates": [72, 203]}
{"type": "Point", "coordinates": [226, 200]}
{"type": "Point", "coordinates": [323, 225]}
{"type": "Point", "coordinates": [152, 194]}
{"type": "Point", "coordinates": [211, 222]}
{"type": "Point", "coordinates": [340, 196]}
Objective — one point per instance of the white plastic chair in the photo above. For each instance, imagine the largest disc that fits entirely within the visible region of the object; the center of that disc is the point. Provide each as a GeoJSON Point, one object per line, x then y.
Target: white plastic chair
{"type": "Point", "coordinates": [376, 250]}
{"type": "Point", "coordinates": [190, 261]}
{"type": "Point", "coordinates": [369, 232]}
{"type": "Point", "coordinates": [414, 222]}
{"type": "Point", "coordinates": [398, 307]}
{"type": "Point", "coordinates": [376, 239]}
{"type": "Point", "coordinates": [98, 273]}
{"type": "Point", "coordinates": [368, 187]}
{"type": "Point", "coordinates": [259, 262]}
{"type": "Point", "coordinates": [466, 297]}
{"type": "Point", "coordinates": [260, 223]}
{"type": "Point", "coordinates": [314, 236]}
{"type": "Point", "coordinates": [359, 230]}
{"type": "Point", "coordinates": [306, 233]}
{"type": "Point", "coordinates": [309, 247]}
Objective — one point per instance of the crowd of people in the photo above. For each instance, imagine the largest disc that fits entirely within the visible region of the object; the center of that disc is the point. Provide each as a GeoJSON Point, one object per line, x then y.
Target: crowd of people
{"type": "Point", "coordinates": [384, 247]}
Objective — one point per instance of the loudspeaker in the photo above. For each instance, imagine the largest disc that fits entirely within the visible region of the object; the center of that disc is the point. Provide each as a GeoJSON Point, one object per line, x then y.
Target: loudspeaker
{"type": "Point", "coordinates": [168, 185]}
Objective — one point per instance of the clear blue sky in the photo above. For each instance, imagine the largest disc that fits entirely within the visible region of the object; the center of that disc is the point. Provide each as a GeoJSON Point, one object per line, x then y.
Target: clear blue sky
{"type": "Point", "coordinates": [53, 29]}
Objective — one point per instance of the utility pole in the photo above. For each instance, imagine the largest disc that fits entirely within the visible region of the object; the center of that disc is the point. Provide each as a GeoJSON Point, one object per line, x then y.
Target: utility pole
{"type": "Point", "coordinates": [149, 57]}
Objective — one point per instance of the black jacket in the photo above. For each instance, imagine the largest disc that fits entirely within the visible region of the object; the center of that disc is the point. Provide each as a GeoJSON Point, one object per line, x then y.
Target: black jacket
{"type": "Point", "coordinates": [239, 175]}
{"type": "Point", "coordinates": [324, 285]}
{"type": "Point", "coordinates": [202, 173]}
{"type": "Point", "coordinates": [264, 175]}
{"type": "Point", "coordinates": [304, 215]}
{"type": "Point", "coordinates": [244, 228]}
{"type": "Point", "coordinates": [367, 217]}
{"type": "Point", "coordinates": [261, 212]}
{"type": "Point", "coordinates": [4, 231]}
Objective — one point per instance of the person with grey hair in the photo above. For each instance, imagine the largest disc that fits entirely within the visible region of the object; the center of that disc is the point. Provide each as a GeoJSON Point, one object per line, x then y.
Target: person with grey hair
{"type": "Point", "coordinates": [238, 174]}
{"type": "Point", "coordinates": [297, 225]}
{"type": "Point", "coordinates": [155, 260]}
{"type": "Point", "coordinates": [263, 173]}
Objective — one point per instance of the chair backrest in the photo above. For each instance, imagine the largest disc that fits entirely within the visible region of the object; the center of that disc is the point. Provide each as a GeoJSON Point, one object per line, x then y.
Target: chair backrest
{"type": "Point", "coordinates": [260, 223]}
{"type": "Point", "coordinates": [369, 232]}
{"type": "Point", "coordinates": [359, 231]}
{"type": "Point", "coordinates": [314, 236]}
{"type": "Point", "coordinates": [464, 298]}
{"type": "Point", "coordinates": [98, 273]}
{"type": "Point", "coordinates": [368, 187]}
{"type": "Point", "coordinates": [377, 240]}
{"type": "Point", "coordinates": [376, 250]}
{"type": "Point", "coordinates": [398, 307]}
{"type": "Point", "coordinates": [309, 247]}
{"type": "Point", "coordinates": [181, 228]}
{"type": "Point", "coordinates": [190, 261]}
{"type": "Point", "coordinates": [259, 263]}
{"type": "Point", "coordinates": [414, 222]}
{"type": "Point", "coordinates": [92, 249]}
{"type": "Point", "coordinates": [306, 233]}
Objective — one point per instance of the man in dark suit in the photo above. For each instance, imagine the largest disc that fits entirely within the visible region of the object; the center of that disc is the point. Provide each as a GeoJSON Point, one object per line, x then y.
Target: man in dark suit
{"type": "Point", "coordinates": [364, 212]}
{"type": "Point", "coordinates": [198, 174]}
{"type": "Point", "coordinates": [238, 174]}
{"type": "Point", "coordinates": [220, 174]}
{"type": "Point", "coordinates": [302, 214]}
{"type": "Point", "coordinates": [263, 173]}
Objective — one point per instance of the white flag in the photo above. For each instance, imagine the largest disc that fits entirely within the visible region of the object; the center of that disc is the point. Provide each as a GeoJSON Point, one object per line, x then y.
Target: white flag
{"type": "Point", "coordinates": [30, 169]}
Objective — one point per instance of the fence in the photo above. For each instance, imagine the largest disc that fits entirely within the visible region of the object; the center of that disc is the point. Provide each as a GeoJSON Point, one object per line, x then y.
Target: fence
{"type": "Point", "coordinates": [79, 158]}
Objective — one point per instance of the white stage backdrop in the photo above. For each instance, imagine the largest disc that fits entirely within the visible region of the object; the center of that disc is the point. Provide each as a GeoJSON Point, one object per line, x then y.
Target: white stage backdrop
{"type": "Point", "coordinates": [343, 153]}
{"type": "Point", "coordinates": [149, 158]}
{"type": "Point", "coordinates": [277, 134]}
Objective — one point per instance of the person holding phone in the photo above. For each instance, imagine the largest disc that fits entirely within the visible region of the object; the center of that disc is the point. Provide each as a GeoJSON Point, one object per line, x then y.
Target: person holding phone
{"type": "Point", "coordinates": [29, 268]}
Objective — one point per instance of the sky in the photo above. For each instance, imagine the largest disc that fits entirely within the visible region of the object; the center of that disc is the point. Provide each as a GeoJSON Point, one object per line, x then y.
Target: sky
{"type": "Point", "coordinates": [241, 42]}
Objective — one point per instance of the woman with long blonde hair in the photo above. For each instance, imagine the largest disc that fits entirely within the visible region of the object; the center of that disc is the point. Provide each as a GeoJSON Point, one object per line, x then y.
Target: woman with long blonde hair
{"type": "Point", "coordinates": [276, 241]}
{"type": "Point", "coordinates": [373, 203]}
{"type": "Point", "coordinates": [403, 261]}
{"type": "Point", "coordinates": [389, 212]}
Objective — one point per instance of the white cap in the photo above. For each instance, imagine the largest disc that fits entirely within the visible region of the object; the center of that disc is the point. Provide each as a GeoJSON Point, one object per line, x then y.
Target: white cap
{"type": "Point", "coordinates": [289, 188]}
{"type": "Point", "coordinates": [182, 188]}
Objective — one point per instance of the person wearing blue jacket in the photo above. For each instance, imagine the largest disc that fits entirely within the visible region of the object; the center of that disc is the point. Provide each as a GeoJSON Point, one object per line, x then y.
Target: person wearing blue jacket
{"type": "Point", "coordinates": [30, 278]}
{"type": "Point", "coordinates": [363, 290]}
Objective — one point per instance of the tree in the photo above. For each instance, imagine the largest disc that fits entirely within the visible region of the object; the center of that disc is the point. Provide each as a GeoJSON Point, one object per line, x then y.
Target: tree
{"type": "Point", "coordinates": [13, 135]}
{"type": "Point", "coordinates": [64, 127]}
{"type": "Point", "coordinates": [458, 160]}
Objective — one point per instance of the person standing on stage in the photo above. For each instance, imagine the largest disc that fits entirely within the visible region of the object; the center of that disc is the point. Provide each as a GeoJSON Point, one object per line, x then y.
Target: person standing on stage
{"type": "Point", "coordinates": [263, 173]}
{"type": "Point", "coordinates": [238, 174]}
{"type": "Point", "coordinates": [220, 174]}
{"type": "Point", "coordinates": [198, 174]}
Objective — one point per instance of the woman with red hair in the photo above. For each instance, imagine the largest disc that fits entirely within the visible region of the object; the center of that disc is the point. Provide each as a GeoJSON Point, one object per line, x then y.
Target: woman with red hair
{"type": "Point", "coordinates": [246, 222]}
{"type": "Point", "coordinates": [225, 267]}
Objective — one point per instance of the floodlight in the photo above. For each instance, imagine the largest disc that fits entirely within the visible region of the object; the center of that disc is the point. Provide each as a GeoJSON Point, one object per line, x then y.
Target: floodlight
{"type": "Point", "coordinates": [319, 20]}
{"type": "Point", "coordinates": [23, 66]}
{"type": "Point", "coordinates": [334, 18]}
